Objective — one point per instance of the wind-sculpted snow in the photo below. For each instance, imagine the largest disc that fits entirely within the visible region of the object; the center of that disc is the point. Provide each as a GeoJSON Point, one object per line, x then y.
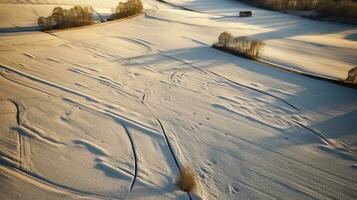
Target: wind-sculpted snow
{"type": "Point", "coordinates": [116, 110]}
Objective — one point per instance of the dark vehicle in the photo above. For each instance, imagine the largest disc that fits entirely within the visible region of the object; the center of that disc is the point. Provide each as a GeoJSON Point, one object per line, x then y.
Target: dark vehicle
{"type": "Point", "coordinates": [246, 13]}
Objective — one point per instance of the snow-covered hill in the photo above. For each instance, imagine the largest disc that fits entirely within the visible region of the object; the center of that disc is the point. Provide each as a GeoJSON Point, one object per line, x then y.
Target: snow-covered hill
{"type": "Point", "coordinates": [113, 111]}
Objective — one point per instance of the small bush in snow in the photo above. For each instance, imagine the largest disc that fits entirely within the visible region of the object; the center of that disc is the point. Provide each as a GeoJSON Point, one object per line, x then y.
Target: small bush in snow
{"type": "Point", "coordinates": [224, 38]}
{"type": "Point", "coordinates": [67, 18]}
{"type": "Point", "coordinates": [187, 180]}
{"type": "Point", "coordinates": [352, 76]}
{"type": "Point", "coordinates": [129, 8]}
{"type": "Point", "coordinates": [243, 46]}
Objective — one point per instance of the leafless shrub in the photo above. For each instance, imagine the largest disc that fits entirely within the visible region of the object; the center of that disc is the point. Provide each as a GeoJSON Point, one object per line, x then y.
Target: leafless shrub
{"type": "Point", "coordinates": [63, 18]}
{"type": "Point", "coordinates": [352, 76]}
{"type": "Point", "coordinates": [187, 180]}
{"type": "Point", "coordinates": [243, 46]}
{"type": "Point", "coordinates": [129, 8]}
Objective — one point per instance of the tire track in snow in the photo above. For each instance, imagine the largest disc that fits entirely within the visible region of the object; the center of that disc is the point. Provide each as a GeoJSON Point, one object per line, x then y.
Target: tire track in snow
{"type": "Point", "coordinates": [135, 158]}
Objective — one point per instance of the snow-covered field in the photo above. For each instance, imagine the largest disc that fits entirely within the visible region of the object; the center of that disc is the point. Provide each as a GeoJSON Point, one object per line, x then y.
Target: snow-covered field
{"type": "Point", "coordinates": [112, 111]}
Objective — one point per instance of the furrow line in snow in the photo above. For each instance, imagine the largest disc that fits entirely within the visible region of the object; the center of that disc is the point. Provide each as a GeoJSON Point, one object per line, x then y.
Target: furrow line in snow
{"type": "Point", "coordinates": [49, 183]}
{"type": "Point", "coordinates": [171, 149]}
{"type": "Point", "coordinates": [178, 6]}
{"type": "Point", "coordinates": [149, 15]}
{"type": "Point", "coordinates": [193, 10]}
{"type": "Point", "coordinates": [20, 148]}
{"type": "Point", "coordinates": [320, 135]}
{"type": "Point", "coordinates": [15, 160]}
{"type": "Point", "coordinates": [27, 86]}
{"type": "Point", "coordinates": [168, 143]}
{"type": "Point", "coordinates": [19, 138]}
{"type": "Point", "coordinates": [231, 81]}
{"type": "Point", "coordinates": [116, 86]}
{"type": "Point", "coordinates": [254, 89]}
{"type": "Point", "coordinates": [48, 83]}
{"type": "Point", "coordinates": [135, 158]}
{"type": "Point", "coordinates": [182, 61]}
{"type": "Point", "coordinates": [119, 118]}
{"type": "Point", "coordinates": [17, 112]}
{"type": "Point", "coordinates": [34, 133]}
{"type": "Point", "coordinates": [336, 179]}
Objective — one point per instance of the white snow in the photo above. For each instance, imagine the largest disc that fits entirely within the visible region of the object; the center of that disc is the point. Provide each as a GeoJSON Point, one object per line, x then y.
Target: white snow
{"type": "Point", "coordinates": [112, 111]}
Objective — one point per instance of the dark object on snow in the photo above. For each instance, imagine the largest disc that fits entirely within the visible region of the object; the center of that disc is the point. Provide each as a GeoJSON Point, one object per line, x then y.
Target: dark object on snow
{"type": "Point", "coordinates": [246, 13]}
{"type": "Point", "coordinates": [352, 76]}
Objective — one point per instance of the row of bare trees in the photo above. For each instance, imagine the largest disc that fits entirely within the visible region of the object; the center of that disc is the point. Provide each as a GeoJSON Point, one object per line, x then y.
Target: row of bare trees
{"type": "Point", "coordinates": [244, 46]}
{"type": "Point", "coordinates": [66, 18]}
{"type": "Point", "coordinates": [129, 8]}
{"type": "Point", "coordinates": [81, 16]}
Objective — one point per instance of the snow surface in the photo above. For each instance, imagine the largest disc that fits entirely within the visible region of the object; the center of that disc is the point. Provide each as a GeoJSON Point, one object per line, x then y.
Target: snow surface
{"type": "Point", "coordinates": [112, 111]}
